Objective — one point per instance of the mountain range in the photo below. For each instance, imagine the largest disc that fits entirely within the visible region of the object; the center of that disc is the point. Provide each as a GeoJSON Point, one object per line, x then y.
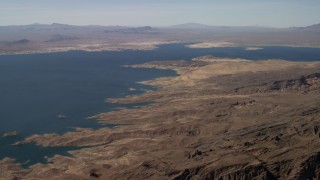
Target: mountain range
{"type": "Point", "coordinates": [61, 37]}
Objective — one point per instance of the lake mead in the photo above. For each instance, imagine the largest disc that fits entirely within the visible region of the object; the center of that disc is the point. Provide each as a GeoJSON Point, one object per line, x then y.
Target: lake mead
{"type": "Point", "coordinates": [55, 92]}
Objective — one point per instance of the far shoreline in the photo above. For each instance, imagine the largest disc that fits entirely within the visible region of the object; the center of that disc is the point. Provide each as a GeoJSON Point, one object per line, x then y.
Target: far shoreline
{"type": "Point", "coordinates": [188, 45]}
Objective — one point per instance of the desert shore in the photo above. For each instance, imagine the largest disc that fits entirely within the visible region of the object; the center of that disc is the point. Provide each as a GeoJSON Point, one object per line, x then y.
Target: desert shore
{"type": "Point", "coordinates": [211, 45]}
{"type": "Point", "coordinates": [88, 47]}
{"type": "Point", "coordinates": [253, 48]}
{"type": "Point", "coordinates": [220, 118]}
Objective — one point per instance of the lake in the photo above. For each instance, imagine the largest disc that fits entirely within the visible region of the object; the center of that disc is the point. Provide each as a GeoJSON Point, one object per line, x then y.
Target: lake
{"type": "Point", "coordinates": [55, 92]}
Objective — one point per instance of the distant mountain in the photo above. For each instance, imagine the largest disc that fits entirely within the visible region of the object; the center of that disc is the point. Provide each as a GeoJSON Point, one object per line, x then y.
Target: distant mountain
{"type": "Point", "coordinates": [312, 27]}
{"type": "Point", "coordinates": [315, 26]}
{"type": "Point", "coordinates": [144, 29]}
{"type": "Point", "coordinates": [19, 42]}
{"type": "Point", "coordinates": [59, 24]}
{"type": "Point", "coordinates": [37, 26]}
{"type": "Point", "coordinates": [59, 37]}
{"type": "Point", "coordinates": [191, 26]}
{"type": "Point", "coordinates": [220, 28]}
{"type": "Point", "coordinates": [23, 41]}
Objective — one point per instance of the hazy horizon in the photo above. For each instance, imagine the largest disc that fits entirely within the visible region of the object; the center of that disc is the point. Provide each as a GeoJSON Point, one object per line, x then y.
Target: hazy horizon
{"type": "Point", "coordinates": [156, 26]}
{"type": "Point", "coordinates": [271, 13]}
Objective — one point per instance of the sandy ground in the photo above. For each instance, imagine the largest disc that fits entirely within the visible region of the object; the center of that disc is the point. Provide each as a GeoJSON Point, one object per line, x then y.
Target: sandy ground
{"type": "Point", "coordinates": [253, 48]}
{"type": "Point", "coordinates": [211, 45]}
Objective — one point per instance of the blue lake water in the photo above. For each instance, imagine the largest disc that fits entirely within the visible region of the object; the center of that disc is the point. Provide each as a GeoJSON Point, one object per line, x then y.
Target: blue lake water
{"type": "Point", "coordinates": [36, 88]}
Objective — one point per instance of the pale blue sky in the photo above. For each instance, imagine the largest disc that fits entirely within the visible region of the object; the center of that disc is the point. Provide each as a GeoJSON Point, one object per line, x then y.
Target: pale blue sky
{"type": "Point", "coordinates": [275, 13]}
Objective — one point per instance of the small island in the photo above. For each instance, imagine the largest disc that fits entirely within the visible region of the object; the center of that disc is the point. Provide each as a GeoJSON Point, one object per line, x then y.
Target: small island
{"type": "Point", "coordinates": [253, 48]}
{"type": "Point", "coordinates": [210, 45]}
{"type": "Point", "coordinates": [11, 133]}
{"type": "Point", "coordinates": [61, 116]}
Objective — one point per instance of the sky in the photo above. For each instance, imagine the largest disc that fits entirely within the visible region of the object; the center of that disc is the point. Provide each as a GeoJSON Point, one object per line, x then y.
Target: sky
{"type": "Point", "coordinates": [270, 13]}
